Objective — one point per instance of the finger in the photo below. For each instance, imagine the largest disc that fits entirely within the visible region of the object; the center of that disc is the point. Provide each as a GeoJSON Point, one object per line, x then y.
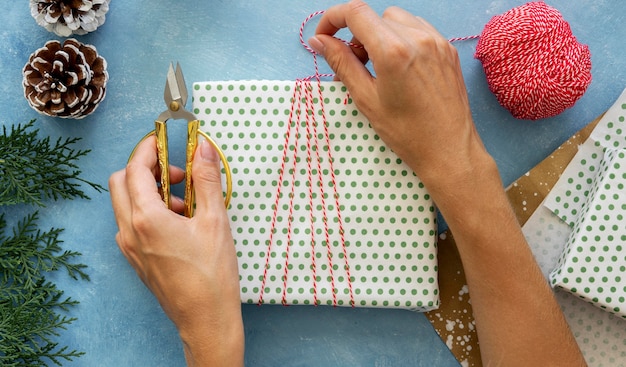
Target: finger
{"type": "Point", "coordinates": [358, 50]}
{"type": "Point", "coordinates": [140, 177]}
{"type": "Point", "coordinates": [177, 175]}
{"type": "Point", "coordinates": [122, 194]}
{"type": "Point", "coordinates": [120, 199]}
{"type": "Point", "coordinates": [146, 152]}
{"type": "Point", "coordinates": [148, 156]}
{"type": "Point", "coordinates": [346, 64]}
{"type": "Point", "coordinates": [122, 211]}
{"type": "Point", "coordinates": [207, 180]}
{"type": "Point", "coordinates": [178, 204]}
{"type": "Point", "coordinates": [357, 16]}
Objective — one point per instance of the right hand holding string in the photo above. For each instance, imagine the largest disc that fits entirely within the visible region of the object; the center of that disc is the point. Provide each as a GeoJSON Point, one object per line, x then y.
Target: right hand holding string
{"type": "Point", "coordinates": [416, 101]}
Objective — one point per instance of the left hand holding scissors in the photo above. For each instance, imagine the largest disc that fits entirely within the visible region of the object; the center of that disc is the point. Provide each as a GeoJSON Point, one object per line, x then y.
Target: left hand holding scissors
{"type": "Point", "coordinates": [175, 97]}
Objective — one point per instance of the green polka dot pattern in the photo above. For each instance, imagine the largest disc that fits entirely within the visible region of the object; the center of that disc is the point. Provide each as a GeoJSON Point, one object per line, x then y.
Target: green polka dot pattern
{"type": "Point", "coordinates": [579, 175]}
{"type": "Point", "coordinates": [567, 198]}
{"type": "Point", "coordinates": [387, 216]}
{"type": "Point", "coordinates": [601, 335]}
{"type": "Point", "coordinates": [593, 265]}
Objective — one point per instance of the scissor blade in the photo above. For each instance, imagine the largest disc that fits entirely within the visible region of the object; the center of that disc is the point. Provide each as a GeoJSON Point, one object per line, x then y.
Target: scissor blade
{"type": "Point", "coordinates": [182, 87]}
{"type": "Point", "coordinates": [172, 92]}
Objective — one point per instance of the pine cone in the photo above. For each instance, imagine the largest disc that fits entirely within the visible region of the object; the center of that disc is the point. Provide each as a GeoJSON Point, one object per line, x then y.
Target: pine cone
{"type": "Point", "coordinates": [67, 80]}
{"type": "Point", "coordinates": [66, 17]}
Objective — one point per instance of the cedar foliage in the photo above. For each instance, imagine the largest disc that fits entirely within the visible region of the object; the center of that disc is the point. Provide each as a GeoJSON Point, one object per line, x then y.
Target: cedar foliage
{"type": "Point", "coordinates": [35, 169]}
{"type": "Point", "coordinates": [33, 310]}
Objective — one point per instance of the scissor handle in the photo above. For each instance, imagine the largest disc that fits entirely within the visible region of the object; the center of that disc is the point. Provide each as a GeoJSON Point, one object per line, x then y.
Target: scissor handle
{"type": "Point", "coordinates": [160, 130]}
{"type": "Point", "coordinates": [163, 160]}
{"type": "Point", "coordinates": [192, 141]}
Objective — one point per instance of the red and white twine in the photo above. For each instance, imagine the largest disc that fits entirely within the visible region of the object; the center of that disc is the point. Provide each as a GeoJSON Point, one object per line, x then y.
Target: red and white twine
{"type": "Point", "coordinates": [303, 90]}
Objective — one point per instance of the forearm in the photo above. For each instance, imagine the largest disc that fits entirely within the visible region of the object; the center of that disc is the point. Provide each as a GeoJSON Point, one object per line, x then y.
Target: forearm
{"type": "Point", "coordinates": [517, 317]}
{"type": "Point", "coordinates": [418, 105]}
{"type": "Point", "coordinates": [219, 342]}
{"type": "Point", "coordinates": [189, 264]}
{"type": "Point", "coordinates": [214, 336]}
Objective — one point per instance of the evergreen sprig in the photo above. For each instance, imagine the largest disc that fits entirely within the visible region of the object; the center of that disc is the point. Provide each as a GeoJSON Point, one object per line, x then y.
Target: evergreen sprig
{"type": "Point", "coordinates": [33, 310]}
{"type": "Point", "coordinates": [30, 304]}
{"type": "Point", "coordinates": [33, 169]}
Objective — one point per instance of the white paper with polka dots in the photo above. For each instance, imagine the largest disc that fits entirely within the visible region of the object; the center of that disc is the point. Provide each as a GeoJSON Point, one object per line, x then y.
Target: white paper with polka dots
{"type": "Point", "coordinates": [601, 335]}
{"type": "Point", "coordinates": [568, 196]}
{"type": "Point", "coordinates": [593, 265]}
{"type": "Point", "coordinates": [589, 196]}
{"type": "Point", "coordinates": [388, 217]}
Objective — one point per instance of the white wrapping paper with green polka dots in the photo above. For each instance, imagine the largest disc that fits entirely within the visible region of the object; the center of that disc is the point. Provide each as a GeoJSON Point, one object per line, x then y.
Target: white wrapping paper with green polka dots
{"type": "Point", "coordinates": [568, 195]}
{"type": "Point", "coordinates": [593, 265]}
{"type": "Point", "coordinates": [590, 197]}
{"type": "Point", "coordinates": [601, 335]}
{"type": "Point", "coordinates": [322, 211]}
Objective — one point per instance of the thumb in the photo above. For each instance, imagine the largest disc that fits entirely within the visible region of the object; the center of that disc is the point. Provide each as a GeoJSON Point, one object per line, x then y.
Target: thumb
{"type": "Point", "coordinates": [347, 65]}
{"type": "Point", "coordinates": [207, 179]}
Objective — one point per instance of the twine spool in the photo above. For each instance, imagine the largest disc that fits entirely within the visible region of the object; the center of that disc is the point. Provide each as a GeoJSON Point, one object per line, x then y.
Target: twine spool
{"type": "Point", "coordinates": [533, 63]}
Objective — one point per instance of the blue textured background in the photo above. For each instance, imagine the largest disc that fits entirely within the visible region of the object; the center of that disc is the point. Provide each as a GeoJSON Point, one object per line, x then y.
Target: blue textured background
{"type": "Point", "coordinates": [119, 322]}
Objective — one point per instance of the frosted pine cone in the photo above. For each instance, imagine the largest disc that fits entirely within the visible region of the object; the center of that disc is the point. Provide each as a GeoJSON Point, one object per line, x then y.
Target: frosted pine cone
{"type": "Point", "coordinates": [67, 17]}
{"type": "Point", "coordinates": [65, 80]}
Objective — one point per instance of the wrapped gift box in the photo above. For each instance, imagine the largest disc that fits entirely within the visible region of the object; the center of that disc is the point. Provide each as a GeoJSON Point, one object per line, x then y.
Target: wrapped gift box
{"type": "Point", "coordinates": [593, 264]}
{"type": "Point", "coordinates": [322, 211]}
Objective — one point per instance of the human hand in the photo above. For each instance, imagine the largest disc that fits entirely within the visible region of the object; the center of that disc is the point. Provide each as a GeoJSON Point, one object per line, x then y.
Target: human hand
{"type": "Point", "coordinates": [189, 264]}
{"type": "Point", "coordinates": [418, 105]}
{"type": "Point", "coordinates": [417, 101]}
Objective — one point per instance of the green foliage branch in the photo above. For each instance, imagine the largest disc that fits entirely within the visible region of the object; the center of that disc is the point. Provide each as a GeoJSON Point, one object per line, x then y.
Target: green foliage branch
{"type": "Point", "coordinates": [33, 310]}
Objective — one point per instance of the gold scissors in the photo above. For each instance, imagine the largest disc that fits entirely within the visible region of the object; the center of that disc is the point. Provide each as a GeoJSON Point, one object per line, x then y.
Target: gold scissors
{"type": "Point", "coordinates": [175, 97]}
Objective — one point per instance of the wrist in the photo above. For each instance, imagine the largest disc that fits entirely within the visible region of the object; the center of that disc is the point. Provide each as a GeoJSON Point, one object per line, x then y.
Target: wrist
{"type": "Point", "coordinates": [478, 212]}
{"type": "Point", "coordinates": [460, 175]}
{"type": "Point", "coordinates": [217, 341]}
{"type": "Point", "coordinates": [466, 186]}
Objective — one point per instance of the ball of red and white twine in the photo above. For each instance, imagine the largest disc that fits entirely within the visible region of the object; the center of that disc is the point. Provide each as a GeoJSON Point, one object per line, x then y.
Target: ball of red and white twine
{"type": "Point", "coordinates": [533, 63]}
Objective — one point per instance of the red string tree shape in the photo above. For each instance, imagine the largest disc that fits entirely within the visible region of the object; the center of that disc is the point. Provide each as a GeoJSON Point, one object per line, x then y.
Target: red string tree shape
{"type": "Point", "coordinates": [329, 215]}
{"type": "Point", "coordinates": [533, 63]}
{"type": "Point", "coordinates": [304, 92]}
{"type": "Point", "coordinates": [535, 67]}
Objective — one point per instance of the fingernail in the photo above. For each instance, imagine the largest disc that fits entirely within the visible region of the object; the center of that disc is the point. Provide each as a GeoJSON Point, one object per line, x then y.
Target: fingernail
{"type": "Point", "coordinates": [207, 152]}
{"type": "Point", "coordinates": [316, 45]}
